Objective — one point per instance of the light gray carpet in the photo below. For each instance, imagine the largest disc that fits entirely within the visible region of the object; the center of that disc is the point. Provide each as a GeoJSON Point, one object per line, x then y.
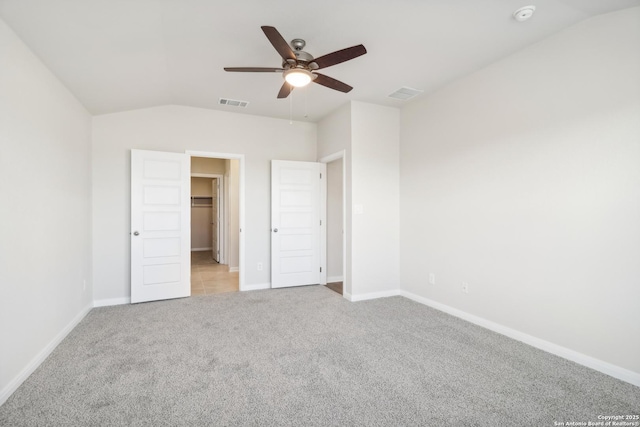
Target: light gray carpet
{"type": "Point", "coordinates": [303, 356]}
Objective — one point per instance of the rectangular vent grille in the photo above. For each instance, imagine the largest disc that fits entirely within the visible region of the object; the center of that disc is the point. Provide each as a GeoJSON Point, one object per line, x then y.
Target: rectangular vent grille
{"type": "Point", "coordinates": [405, 93]}
{"type": "Point", "coordinates": [233, 102]}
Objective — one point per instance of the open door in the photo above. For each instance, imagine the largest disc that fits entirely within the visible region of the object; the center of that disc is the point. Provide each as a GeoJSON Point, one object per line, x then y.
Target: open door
{"type": "Point", "coordinates": [160, 220]}
{"type": "Point", "coordinates": [296, 226]}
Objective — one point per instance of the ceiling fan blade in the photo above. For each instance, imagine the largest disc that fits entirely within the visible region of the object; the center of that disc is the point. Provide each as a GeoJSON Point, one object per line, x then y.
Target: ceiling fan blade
{"type": "Point", "coordinates": [285, 90]}
{"type": "Point", "coordinates": [278, 42]}
{"type": "Point", "coordinates": [254, 69]}
{"type": "Point", "coordinates": [332, 83]}
{"type": "Point", "coordinates": [340, 56]}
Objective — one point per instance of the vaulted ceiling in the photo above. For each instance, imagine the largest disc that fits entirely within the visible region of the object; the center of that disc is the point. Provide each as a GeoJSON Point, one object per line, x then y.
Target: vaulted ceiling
{"type": "Point", "coordinates": [117, 55]}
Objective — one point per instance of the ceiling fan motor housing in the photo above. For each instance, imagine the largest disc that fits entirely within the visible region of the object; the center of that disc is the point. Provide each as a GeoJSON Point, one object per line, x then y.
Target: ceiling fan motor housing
{"type": "Point", "coordinates": [303, 56]}
{"type": "Point", "coordinates": [303, 60]}
{"type": "Point", "coordinates": [298, 44]}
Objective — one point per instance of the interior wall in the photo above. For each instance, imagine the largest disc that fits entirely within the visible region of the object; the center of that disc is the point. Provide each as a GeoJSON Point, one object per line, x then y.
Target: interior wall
{"type": "Point", "coordinates": [522, 180]}
{"type": "Point", "coordinates": [335, 205]}
{"type": "Point", "coordinates": [45, 188]}
{"type": "Point", "coordinates": [207, 165]}
{"type": "Point", "coordinates": [201, 186]}
{"type": "Point", "coordinates": [370, 136]}
{"type": "Point", "coordinates": [375, 148]}
{"type": "Point", "coordinates": [234, 215]}
{"type": "Point", "coordinates": [201, 216]}
{"type": "Point", "coordinates": [176, 129]}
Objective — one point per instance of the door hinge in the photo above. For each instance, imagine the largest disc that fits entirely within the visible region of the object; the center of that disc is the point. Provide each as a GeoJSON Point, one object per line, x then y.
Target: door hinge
{"type": "Point", "coordinates": [320, 222]}
{"type": "Point", "coordinates": [320, 269]}
{"type": "Point", "coordinates": [320, 175]}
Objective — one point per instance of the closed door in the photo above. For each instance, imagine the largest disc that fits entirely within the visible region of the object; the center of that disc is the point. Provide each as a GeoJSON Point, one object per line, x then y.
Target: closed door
{"type": "Point", "coordinates": [295, 222]}
{"type": "Point", "coordinates": [160, 246]}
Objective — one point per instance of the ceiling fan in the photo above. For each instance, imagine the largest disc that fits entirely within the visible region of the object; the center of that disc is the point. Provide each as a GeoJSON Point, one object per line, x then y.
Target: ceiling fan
{"type": "Point", "coordinates": [299, 67]}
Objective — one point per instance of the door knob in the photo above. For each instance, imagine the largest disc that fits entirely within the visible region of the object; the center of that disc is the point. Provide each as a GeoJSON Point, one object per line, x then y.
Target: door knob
{"type": "Point", "coordinates": [135, 233]}
{"type": "Point", "coordinates": [275, 230]}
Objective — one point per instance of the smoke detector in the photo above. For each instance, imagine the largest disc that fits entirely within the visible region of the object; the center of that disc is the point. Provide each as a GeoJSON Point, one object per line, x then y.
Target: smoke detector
{"type": "Point", "coordinates": [524, 13]}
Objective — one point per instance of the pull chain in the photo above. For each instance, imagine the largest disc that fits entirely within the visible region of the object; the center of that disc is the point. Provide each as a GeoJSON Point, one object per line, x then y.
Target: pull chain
{"type": "Point", "coordinates": [291, 106]}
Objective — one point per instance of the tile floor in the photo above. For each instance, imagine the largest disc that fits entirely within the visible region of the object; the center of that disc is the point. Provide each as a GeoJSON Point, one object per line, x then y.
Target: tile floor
{"type": "Point", "coordinates": [208, 277]}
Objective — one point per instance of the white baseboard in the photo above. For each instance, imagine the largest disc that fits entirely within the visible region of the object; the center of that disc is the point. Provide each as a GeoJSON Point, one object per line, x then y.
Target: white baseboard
{"type": "Point", "coordinates": [373, 295]}
{"type": "Point", "coordinates": [201, 249]}
{"type": "Point", "coordinates": [256, 287]}
{"type": "Point", "coordinates": [333, 279]}
{"type": "Point", "coordinates": [6, 392]}
{"type": "Point", "coordinates": [111, 301]}
{"type": "Point", "coordinates": [234, 269]}
{"type": "Point", "coordinates": [574, 356]}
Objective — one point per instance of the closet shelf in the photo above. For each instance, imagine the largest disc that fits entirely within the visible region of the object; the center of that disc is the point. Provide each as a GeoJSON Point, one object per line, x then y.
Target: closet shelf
{"type": "Point", "coordinates": [201, 201]}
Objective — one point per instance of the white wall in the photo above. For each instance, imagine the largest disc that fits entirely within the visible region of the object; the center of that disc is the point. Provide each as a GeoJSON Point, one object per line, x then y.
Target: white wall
{"type": "Point", "coordinates": [375, 156]}
{"type": "Point", "coordinates": [334, 133]}
{"type": "Point", "coordinates": [234, 215]}
{"type": "Point", "coordinates": [523, 180]}
{"type": "Point", "coordinates": [177, 128]}
{"type": "Point", "coordinates": [45, 230]}
{"type": "Point", "coordinates": [370, 136]}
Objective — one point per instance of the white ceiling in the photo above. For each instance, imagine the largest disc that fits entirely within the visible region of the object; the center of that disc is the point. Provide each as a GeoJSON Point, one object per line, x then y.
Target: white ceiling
{"type": "Point", "coordinates": [117, 55]}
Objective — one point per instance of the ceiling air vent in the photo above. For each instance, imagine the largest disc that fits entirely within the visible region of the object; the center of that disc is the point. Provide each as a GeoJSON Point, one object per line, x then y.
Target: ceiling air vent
{"type": "Point", "coordinates": [405, 93]}
{"type": "Point", "coordinates": [233, 102]}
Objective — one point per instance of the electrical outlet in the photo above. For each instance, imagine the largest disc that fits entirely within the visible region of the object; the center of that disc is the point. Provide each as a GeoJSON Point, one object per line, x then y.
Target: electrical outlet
{"type": "Point", "coordinates": [259, 266]}
{"type": "Point", "coordinates": [465, 287]}
{"type": "Point", "coordinates": [432, 279]}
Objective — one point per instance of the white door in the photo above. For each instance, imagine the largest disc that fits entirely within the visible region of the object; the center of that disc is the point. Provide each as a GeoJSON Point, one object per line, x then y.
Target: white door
{"type": "Point", "coordinates": [295, 223]}
{"type": "Point", "coordinates": [160, 222]}
{"type": "Point", "coordinates": [215, 219]}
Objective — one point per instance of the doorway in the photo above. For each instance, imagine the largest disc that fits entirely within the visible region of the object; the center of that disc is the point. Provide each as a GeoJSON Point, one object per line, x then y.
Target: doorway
{"type": "Point", "coordinates": [335, 235]}
{"type": "Point", "coordinates": [215, 224]}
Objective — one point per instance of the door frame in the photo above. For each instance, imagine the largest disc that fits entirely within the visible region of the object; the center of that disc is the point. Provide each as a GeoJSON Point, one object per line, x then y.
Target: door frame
{"type": "Point", "coordinates": [241, 202]}
{"type": "Point", "coordinates": [222, 204]}
{"type": "Point", "coordinates": [346, 284]}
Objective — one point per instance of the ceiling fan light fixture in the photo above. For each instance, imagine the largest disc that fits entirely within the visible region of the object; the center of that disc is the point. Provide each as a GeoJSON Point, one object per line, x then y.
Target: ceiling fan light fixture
{"type": "Point", "coordinates": [297, 66]}
{"type": "Point", "coordinates": [298, 77]}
